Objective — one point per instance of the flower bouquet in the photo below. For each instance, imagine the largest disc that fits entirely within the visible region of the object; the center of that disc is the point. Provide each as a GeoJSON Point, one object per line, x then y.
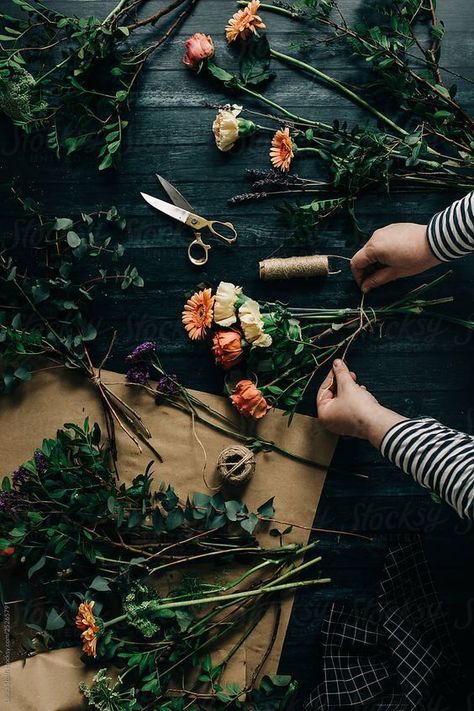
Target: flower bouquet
{"type": "Point", "coordinates": [271, 352]}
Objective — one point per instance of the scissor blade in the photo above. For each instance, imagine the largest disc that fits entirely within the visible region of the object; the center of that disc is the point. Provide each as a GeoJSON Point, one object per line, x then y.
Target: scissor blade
{"type": "Point", "coordinates": [176, 212]}
{"type": "Point", "coordinates": [174, 194]}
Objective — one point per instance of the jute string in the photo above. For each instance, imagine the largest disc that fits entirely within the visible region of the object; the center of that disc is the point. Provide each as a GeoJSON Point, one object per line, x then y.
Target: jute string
{"type": "Point", "coordinates": [316, 265]}
{"type": "Point", "coordinates": [236, 465]}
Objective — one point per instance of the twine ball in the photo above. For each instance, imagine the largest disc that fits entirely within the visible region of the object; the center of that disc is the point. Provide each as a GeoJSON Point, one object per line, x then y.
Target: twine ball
{"type": "Point", "coordinates": [236, 465]}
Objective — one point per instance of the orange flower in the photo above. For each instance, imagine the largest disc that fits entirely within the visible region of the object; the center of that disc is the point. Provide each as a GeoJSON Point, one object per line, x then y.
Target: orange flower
{"type": "Point", "coordinates": [249, 401]}
{"type": "Point", "coordinates": [281, 151]}
{"type": "Point", "coordinates": [227, 348]}
{"type": "Point", "coordinates": [244, 22]}
{"type": "Point", "coordinates": [197, 314]}
{"type": "Point", "coordinates": [198, 48]}
{"type": "Point", "coordinates": [86, 622]}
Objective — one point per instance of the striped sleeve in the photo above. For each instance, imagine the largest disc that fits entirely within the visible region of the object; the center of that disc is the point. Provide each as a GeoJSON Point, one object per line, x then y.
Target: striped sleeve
{"type": "Point", "coordinates": [439, 458]}
{"type": "Point", "coordinates": [451, 232]}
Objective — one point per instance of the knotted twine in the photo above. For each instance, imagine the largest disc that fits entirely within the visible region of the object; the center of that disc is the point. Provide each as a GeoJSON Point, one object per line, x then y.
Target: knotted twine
{"type": "Point", "coordinates": [236, 465]}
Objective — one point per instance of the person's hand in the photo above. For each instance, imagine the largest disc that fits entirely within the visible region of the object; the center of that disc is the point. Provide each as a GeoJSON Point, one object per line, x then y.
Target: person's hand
{"type": "Point", "coordinates": [395, 251]}
{"type": "Point", "coordinates": [346, 408]}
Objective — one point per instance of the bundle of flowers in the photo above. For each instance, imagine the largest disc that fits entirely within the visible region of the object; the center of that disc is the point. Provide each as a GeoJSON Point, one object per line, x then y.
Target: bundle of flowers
{"type": "Point", "coordinates": [271, 352]}
{"type": "Point", "coordinates": [92, 555]}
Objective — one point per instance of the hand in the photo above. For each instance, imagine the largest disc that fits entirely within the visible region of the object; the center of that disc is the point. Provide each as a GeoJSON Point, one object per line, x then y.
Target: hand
{"type": "Point", "coordinates": [346, 408]}
{"type": "Point", "coordinates": [395, 251]}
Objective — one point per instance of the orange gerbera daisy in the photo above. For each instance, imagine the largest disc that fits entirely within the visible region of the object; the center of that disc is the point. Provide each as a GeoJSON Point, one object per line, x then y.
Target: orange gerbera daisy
{"type": "Point", "coordinates": [198, 313]}
{"type": "Point", "coordinates": [281, 151]}
{"type": "Point", "coordinates": [86, 622]}
{"type": "Point", "coordinates": [244, 22]}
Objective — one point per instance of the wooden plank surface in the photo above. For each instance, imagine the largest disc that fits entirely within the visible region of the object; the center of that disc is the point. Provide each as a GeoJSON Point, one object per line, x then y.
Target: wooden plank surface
{"type": "Point", "coordinates": [420, 367]}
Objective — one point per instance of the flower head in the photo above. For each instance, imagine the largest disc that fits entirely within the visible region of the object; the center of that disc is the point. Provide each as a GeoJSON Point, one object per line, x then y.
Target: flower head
{"type": "Point", "coordinates": [249, 401]}
{"type": "Point", "coordinates": [197, 314]}
{"type": "Point", "coordinates": [41, 462]}
{"type": "Point", "coordinates": [281, 151]}
{"type": "Point", "coordinates": [252, 324]}
{"type": "Point", "coordinates": [198, 48]}
{"type": "Point", "coordinates": [167, 386]}
{"type": "Point", "coordinates": [19, 478]}
{"type": "Point", "coordinates": [224, 303]}
{"type": "Point", "coordinates": [139, 374]}
{"type": "Point", "coordinates": [142, 352]}
{"type": "Point", "coordinates": [244, 22]}
{"type": "Point", "coordinates": [87, 623]}
{"type": "Point", "coordinates": [10, 502]}
{"type": "Point", "coordinates": [227, 348]}
{"type": "Point", "coordinates": [228, 128]}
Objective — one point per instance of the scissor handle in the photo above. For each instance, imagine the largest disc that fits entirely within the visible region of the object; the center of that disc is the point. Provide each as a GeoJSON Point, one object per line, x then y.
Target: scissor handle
{"type": "Point", "coordinates": [198, 245]}
{"type": "Point", "coordinates": [230, 233]}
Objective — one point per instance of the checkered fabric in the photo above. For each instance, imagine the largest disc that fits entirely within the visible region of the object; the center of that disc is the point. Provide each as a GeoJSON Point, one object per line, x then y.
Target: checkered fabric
{"type": "Point", "coordinates": [399, 659]}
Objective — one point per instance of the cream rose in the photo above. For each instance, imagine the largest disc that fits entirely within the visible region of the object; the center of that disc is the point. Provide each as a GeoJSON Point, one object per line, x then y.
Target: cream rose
{"type": "Point", "coordinates": [252, 324]}
{"type": "Point", "coordinates": [224, 303]}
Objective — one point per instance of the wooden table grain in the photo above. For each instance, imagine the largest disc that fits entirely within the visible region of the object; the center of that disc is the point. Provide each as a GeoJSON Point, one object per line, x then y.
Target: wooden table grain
{"type": "Point", "coordinates": [419, 367]}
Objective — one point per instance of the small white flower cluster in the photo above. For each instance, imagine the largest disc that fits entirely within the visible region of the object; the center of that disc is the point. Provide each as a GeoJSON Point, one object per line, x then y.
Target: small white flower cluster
{"type": "Point", "coordinates": [248, 313]}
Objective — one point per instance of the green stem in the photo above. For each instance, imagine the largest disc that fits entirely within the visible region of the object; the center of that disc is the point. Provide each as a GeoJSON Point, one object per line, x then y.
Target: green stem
{"type": "Point", "coordinates": [340, 87]}
{"type": "Point", "coordinates": [232, 596]}
{"type": "Point", "coordinates": [285, 112]}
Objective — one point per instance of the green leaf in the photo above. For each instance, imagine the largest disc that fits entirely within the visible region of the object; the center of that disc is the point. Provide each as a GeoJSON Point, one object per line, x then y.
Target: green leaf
{"type": "Point", "coordinates": [54, 620]}
{"type": "Point", "coordinates": [99, 583]}
{"type": "Point", "coordinates": [62, 223]}
{"type": "Point", "coordinates": [219, 73]}
{"type": "Point", "coordinates": [73, 239]}
{"type": "Point", "coordinates": [255, 64]}
{"type": "Point", "coordinates": [267, 510]}
{"type": "Point", "coordinates": [37, 566]}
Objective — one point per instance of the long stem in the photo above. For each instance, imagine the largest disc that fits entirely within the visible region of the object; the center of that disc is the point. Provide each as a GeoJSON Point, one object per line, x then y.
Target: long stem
{"type": "Point", "coordinates": [340, 87]}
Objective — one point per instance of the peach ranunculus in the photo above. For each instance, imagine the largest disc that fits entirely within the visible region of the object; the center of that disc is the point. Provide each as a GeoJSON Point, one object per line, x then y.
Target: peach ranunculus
{"type": "Point", "coordinates": [87, 623]}
{"type": "Point", "coordinates": [244, 22]}
{"type": "Point", "coordinates": [198, 313]}
{"type": "Point", "coordinates": [227, 348]}
{"type": "Point", "coordinates": [249, 400]}
{"type": "Point", "coordinates": [198, 48]}
{"type": "Point", "coordinates": [281, 152]}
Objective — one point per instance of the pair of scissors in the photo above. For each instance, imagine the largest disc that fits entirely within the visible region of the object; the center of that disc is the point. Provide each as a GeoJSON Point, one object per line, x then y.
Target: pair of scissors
{"type": "Point", "coordinates": [181, 210]}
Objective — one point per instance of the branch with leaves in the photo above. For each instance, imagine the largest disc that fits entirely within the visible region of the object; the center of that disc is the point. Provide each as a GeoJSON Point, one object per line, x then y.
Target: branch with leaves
{"type": "Point", "coordinates": [424, 139]}
{"type": "Point", "coordinates": [74, 77]}
{"type": "Point", "coordinates": [92, 553]}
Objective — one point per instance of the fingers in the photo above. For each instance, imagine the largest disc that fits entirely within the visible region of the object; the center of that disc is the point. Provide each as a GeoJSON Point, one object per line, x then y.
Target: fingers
{"type": "Point", "coordinates": [325, 392]}
{"type": "Point", "coordinates": [343, 375]}
{"type": "Point", "coordinates": [361, 260]}
{"type": "Point", "coordinates": [378, 278]}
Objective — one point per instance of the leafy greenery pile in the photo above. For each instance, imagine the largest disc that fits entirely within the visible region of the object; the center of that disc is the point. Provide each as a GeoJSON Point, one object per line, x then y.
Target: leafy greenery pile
{"type": "Point", "coordinates": [50, 273]}
{"type": "Point", "coordinates": [75, 536]}
{"type": "Point", "coordinates": [73, 77]}
{"type": "Point", "coordinates": [424, 136]}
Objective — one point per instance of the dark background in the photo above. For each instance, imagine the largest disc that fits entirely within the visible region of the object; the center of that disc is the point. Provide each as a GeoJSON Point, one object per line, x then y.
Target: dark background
{"type": "Point", "coordinates": [419, 367]}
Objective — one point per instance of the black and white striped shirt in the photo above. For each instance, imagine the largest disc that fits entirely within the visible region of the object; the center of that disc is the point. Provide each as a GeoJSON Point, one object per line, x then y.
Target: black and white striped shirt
{"type": "Point", "coordinates": [438, 457]}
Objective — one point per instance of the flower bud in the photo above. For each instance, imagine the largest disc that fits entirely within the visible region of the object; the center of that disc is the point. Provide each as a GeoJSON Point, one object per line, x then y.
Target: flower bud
{"type": "Point", "coordinates": [198, 48]}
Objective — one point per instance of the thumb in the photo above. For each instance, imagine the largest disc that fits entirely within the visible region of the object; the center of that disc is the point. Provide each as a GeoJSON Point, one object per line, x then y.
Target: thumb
{"type": "Point", "coordinates": [378, 278]}
{"type": "Point", "coordinates": [342, 373]}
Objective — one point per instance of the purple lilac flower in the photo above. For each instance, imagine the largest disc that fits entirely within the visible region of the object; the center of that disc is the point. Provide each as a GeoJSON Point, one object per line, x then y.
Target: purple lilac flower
{"type": "Point", "coordinates": [41, 462]}
{"type": "Point", "coordinates": [142, 352]}
{"type": "Point", "coordinates": [19, 478]}
{"type": "Point", "coordinates": [9, 501]}
{"type": "Point", "coordinates": [139, 374]}
{"type": "Point", "coordinates": [167, 386]}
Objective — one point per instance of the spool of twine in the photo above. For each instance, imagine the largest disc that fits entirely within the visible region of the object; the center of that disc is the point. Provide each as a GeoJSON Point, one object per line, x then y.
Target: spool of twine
{"type": "Point", "coordinates": [236, 465]}
{"type": "Point", "coordinates": [316, 265]}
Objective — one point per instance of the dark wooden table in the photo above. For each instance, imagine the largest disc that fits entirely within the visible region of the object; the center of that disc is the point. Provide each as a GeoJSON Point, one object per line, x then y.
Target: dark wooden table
{"type": "Point", "coordinates": [420, 367]}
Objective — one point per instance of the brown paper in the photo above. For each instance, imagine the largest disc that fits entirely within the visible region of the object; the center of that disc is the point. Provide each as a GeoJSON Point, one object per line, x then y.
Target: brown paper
{"type": "Point", "coordinates": [50, 400]}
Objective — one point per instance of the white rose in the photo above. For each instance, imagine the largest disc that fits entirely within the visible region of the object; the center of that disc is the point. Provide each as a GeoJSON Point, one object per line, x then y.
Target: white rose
{"type": "Point", "coordinates": [224, 303]}
{"type": "Point", "coordinates": [252, 324]}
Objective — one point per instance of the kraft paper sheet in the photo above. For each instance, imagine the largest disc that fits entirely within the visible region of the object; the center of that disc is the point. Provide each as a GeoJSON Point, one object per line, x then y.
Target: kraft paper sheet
{"type": "Point", "coordinates": [49, 681]}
